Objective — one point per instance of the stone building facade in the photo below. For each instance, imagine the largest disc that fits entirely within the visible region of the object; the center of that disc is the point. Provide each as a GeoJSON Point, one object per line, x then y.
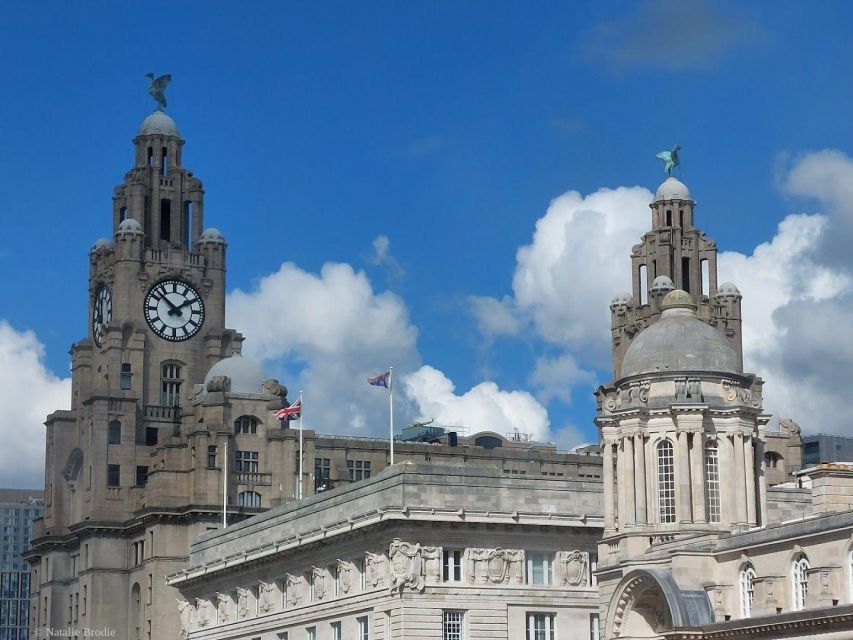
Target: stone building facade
{"type": "Point", "coordinates": [417, 552]}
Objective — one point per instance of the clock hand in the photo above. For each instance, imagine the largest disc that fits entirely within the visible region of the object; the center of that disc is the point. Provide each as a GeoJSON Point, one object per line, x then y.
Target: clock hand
{"type": "Point", "coordinates": [175, 309]}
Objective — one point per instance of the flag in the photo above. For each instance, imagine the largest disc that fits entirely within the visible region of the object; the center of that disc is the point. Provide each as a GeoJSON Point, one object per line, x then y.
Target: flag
{"type": "Point", "coordinates": [382, 380]}
{"type": "Point", "coordinates": [290, 412]}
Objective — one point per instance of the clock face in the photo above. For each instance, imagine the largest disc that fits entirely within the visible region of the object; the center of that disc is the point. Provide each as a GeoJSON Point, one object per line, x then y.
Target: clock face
{"type": "Point", "coordinates": [102, 313]}
{"type": "Point", "coordinates": [174, 310]}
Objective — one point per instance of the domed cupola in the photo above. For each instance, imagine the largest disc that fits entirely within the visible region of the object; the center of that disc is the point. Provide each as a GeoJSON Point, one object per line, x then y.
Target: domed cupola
{"type": "Point", "coordinates": [672, 189]}
{"type": "Point", "coordinates": [679, 342]}
{"type": "Point", "coordinates": [243, 375]}
{"type": "Point", "coordinates": [158, 124]}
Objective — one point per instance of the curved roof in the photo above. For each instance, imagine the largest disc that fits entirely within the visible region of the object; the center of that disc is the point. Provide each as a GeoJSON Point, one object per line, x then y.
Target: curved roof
{"type": "Point", "coordinates": [158, 123]}
{"type": "Point", "coordinates": [246, 375]}
{"type": "Point", "coordinates": [672, 189]}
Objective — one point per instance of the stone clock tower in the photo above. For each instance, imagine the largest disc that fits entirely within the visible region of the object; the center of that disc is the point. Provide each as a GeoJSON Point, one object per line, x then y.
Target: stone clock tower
{"type": "Point", "coordinates": [134, 470]}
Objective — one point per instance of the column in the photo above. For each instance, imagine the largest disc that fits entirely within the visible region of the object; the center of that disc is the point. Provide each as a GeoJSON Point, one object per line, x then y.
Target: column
{"type": "Point", "coordinates": [738, 478]}
{"type": "Point", "coordinates": [724, 457]}
{"type": "Point", "coordinates": [607, 476]}
{"type": "Point", "coordinates": [697, 476]}
{"type": "Point", "coordinates": [762, 482]}
{"type": "Point", "coordinates": [630, 499]}
{"type": "Point", "coordinates": [749, 464]}
{"type": "Point", "coordinates": [682, 470]}
{"type": "Point", "coordinates": [640, 478]}
{"type": "Point", "coordinates": [620, 485]}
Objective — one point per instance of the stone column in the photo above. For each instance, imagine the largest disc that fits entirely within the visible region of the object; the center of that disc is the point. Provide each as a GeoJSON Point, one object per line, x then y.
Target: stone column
{"type": "Point", "coordinates": [749, 467]}
{"type": "Point", "coordinates": [620, 485]}
{"type": "Point", "coordinates": [682, 470]}
{"type": "Point", "coordinates": [640, 477]}
{"type": "Point", "coordinates": [607, 476]}
{"type": "Point", "coordinates": [697, 476]}
{"type": "Point", "coordinates": [738, 480]}
{"type": "Point", "coordinates": [630, 499]}
{"type": "Point", "coordinates": [724, 459]}
{"type": "Point", "coordinates": [762, 481]}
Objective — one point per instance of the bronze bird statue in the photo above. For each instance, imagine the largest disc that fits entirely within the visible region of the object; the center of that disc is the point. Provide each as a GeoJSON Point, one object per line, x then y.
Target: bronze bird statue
{"type": "Point", "coordinates": [670, 159]}
{"type": "Point", "coordinates": [158, 85]}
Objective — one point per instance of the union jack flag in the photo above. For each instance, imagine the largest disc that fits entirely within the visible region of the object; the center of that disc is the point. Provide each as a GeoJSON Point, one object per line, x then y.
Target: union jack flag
{"type": "Point", "coordinates": [290, 412]}
{"type": "Point", "coordinates": [382, 380]}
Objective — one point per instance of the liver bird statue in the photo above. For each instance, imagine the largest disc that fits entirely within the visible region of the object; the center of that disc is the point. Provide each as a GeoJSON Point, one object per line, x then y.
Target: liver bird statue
{"type": "Point", "coordinates": [670, 159]}
{"type": "Point", "coordinates": [158, 85]}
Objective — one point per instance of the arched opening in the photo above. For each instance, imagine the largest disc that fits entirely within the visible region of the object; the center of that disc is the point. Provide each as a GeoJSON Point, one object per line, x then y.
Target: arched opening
{"type": "Point", "coordinates": [135, 617]}
{"type": "Point", "coordinates": [800, 581]}
{"type": "Point", "coordinates": [685, 274]}
{"type": "Point", "coordinates": [165, 219]}
{"type": "Point", "coordinates": [644, 285]}
{"type": "Point", "coordinates": [641, 610]}
{"type": "Point", "coordinates": [164, 162]}
{"type": "Point", "coordinates": [246, 424]}
{"type": "Point", "coordinates": [706, 278]}
{"type": "Point", "coordinates": [747, 589]}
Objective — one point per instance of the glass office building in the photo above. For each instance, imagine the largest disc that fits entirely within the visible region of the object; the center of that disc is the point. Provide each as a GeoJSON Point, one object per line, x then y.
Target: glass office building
{"type": "Point", "coordinates": [18, 508]}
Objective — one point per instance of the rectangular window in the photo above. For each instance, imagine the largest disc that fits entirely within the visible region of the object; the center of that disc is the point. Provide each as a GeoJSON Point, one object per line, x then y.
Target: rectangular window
{"type": "Point", "coordinates": [246, 461]}
{"type": "Point", "coordinates": [170, 385]}
{"type": "Point", "coordinates": [311, 633]}
{"type": "Point", "coordinates": [151, 436]}
{"type": "Point", "coordinates": [282, 635]}
{"type": "Point", "coordinates": [211, 457]}
{"type": "Point", "coordinates": [138, 552]}
{"type": "Point", "coordinates": [322, 472]}
{"type": "Point", "coordinates": [540, 626]}
{"type": "Point", "coordinates": [114, 432]}
{"type": "Point", "coordinates": [451, 565]}
{"type": "Point", "coordinates": [453, 625]}
{"type": "Point", "coordinates": [126, 375]}
{"type": "Point", "coordinates": [593, 626]}
{"type": "Point", "coordinates": [539, 568]}
{"type": "Point", "coordinates": [75, 565]}
{"type": "Point", "coordinates": [337, 633]}
{"type": "Point", "coordinates": [113, 475]}
{"type": "Point", "coordinates": [712, 481]}
{"type": "Point", "coordinates": [358, 469]}
{"type": "Point", "coordinates": [363, 628]}
{"type": "Point", "coordinates": [141, 476]}
{"type": "Point", "coordinates": [666, 482]}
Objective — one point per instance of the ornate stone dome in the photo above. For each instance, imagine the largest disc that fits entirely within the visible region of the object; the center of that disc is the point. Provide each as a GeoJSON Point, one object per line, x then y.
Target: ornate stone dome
{"type": "Point", "coordinates": [158, 123]}
{"type": "Point", "coordinates": [129, 225]}
{"type": "Point", "coordinates": [212, 234]}
{"type": "Point", "coordinates": [662, 284]}
{"type": "Point", "coordinates": [679, 342]}
{"type": "Point", "coordinates": [246, 375]}
{"type": "Point", "coordinates": [672, 189]}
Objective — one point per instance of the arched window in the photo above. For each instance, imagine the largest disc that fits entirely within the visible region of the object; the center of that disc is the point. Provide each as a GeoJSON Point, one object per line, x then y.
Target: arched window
{"type": "Point", "coordinates": [249, 499]}
{"type": "Point", "coordinates": [246, 424]}
{"type": "Point", "coordinates": [712, 482]}
{"type": "Point", "coordinates": [666, 482]}
{"type": "Point", "coordinates": [747, 590]}
{"type": "Point", "coordinates": [771, 460]}
{"type": "Point", "coordinates": [800, 581]}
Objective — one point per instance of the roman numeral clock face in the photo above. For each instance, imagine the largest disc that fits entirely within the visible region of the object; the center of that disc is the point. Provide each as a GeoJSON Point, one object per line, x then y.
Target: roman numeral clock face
{"type": "Point", "coordinates": [174, 310]}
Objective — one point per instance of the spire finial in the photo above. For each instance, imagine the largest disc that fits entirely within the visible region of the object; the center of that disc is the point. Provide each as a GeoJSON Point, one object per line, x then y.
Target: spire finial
{"type": "Point", "coordinates": [670, 159]}
{"type": "Point", "coordinates": [158, 85]}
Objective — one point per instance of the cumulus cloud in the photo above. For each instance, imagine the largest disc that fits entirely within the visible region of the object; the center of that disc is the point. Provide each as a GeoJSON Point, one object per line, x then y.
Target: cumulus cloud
{"type": "Point", "coordinates": [673, 35]}
{"type": "Point", "coordinates": [381, 257]}
{"type": "Point", "coordinates": [495, 317]}
{"type": "Point", "coordinates": [555, 377]}
{"type": "Point", "coordinates": [482, 407]}
{"type": "Point", "coordinates": [28, 393]}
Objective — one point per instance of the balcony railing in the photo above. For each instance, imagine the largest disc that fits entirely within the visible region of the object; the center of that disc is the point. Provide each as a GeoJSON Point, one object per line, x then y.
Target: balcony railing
{"type": "Point", "coordinates": [254, 478]}
{"type": "Point", "coordinates": [163, 412]}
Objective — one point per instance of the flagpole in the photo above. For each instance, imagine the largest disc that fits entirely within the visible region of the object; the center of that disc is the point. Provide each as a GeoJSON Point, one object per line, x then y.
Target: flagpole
{"type": "Point", "coordinates": [391, 408]}
{"type": "Point", "coordinates": [299, 482]}
{"type": "Point", "coordinates": [225, 487]}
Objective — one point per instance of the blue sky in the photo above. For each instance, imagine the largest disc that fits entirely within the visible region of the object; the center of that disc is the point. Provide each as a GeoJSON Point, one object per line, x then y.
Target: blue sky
{"type": "Point", "coordinates": [447, 128]}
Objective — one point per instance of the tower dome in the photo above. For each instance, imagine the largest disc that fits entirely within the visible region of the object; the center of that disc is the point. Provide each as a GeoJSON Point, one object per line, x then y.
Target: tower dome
{"type": "Point", "coordinates": [672, 189]}
{"type": "Point", "coordinates": [662, 284]}
{"type": "Point", "coordinates": [246, 375]}
{"type": "Point", "coordinates": [679, 342]}
{"type": "Point", "coordinates": [158, 123]}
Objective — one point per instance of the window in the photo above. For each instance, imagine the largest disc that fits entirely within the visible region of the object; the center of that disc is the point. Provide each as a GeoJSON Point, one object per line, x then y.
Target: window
{"type": "Point", "coordinates": [337, 634]}
{"type": "Point", "coordinates": [363, 628]}
{"type": "Point", "coordinates": [151, 434]}
{"type": "Point", "coordinates": [712, 482]}
{"type": "Point", "coordinates": [246, 424]}
{"type": "Point", "coordinates": [126, 375]}
{"type": "Point", "coordinates": [122, 214]}
{"type": "Point", "coordinates": [85, 598]}
{"type": "Point", "coordinates": [453, 625]}
{"type": "Point", "coordinates": [249, 499]}
{"type": "Point", "coordinates": [141, 476]}
{"type": "Point", "coordinates": [594, 627]}
{"type": "Point", "coordinates": [138, 552]}
{"type": "Point", "coordinates": [75, 565]}
{"type": "Point", "coordinates": [706, 278]}
{"type": "Point", "coordinates": [309, 580]}
{"type": "Point", "coordinates": [666, 483]}
{"type": "Point", "coordinates": [593, 567]}
{"type": "Point", "coordinates": [281, 635]}
{"type": "Point", "coordinates": [747, 590]}
{"type": "Point", "coordinates": [540, 626]}
{"type": "Point", "coordinates": [113, 475]}
{"type": "Point", "coordinates": [539, 568]}
{"type": "Point", "coordinates": [771, 460]}
{"type": "Point", "coordinates": [451, 570]}
{"type": "Point", "coordinates": [800, 581]}
{"type": "Point", "coordinates": [170, 384]}
{"type": "Point", "coordinates": [644, 284]}
{"type": "Point", "coordinates": [211, 457]}
{"type": "Point", "coordinates": [685, 274]}
{"type": "Point", "coordinates": [114, 432]}
{"type": "Point", "coordinates": [246, 461]}
{"type": "Point", "coordinates": [311, 633]}
{"type": "Point", "coordinates": [358, 469]}
{"type": "Point", "coordinates": [322, 468]}
{"type": "Point", "coordinates": [165, 219]}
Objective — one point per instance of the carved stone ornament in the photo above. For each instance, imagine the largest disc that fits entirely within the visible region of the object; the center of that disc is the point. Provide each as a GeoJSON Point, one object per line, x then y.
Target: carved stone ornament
{"type": "Point", "coordinates": [373, 574]}
{"type": "Point", "coordinates": [495, 566]}
{"type": "Point", "coordinates": [243, 603]}
{"type": "Point", "coordinates": [219, 383]}
{"type": "Point", "coordinates": [734, 392]}
{"type": "Point", "coordinates": [266, 596]}
{"type": "Point", "coordinates": [573, 567]}
{"type": "Point", "coordinates": [406, 566]}
{"type": "Point", "coordinates": [345, 576]}
{"type": "Point", "coordinates": [202, 608]}
{"type": "Point", "coordinates": [273, 387]}
{"type": "Point", "coordinates": [293, 590]}
{"type": "Point", "coordinates": [318, 579]}
{"type": "Point", "coordinates": [222, 601]}
{"type": "Point", "coordinates": [432, 563]}
{"type": "Point", "coordinates": [185, 611]}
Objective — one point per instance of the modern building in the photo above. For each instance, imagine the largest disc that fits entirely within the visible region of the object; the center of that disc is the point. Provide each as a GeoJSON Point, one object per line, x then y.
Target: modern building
{"type": "Point", "coordinates": [417, 552]}
{"type": "Point", "coordinates": [166, 415]}
{"type": "Point", "coordinates": [696, 544]}
{"type": "Point", "coordinates": [18, 509]}
{"type": "Point", "coordinates": [824, 447]}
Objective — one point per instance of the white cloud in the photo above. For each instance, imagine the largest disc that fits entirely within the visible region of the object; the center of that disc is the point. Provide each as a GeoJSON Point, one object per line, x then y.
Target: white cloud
{"type": "Point", "coordinates": [28, 393]}
{"type": "Point", "coordinates": [483, 407]}
{"type": "Point", "coordinates": [495, 317]}
{"type": "Point", "coordinates": [382, 257]}
{"type": "Point", "coordinates": [326, 333]}
{"type": "Point", "coordinates": [555, 377]}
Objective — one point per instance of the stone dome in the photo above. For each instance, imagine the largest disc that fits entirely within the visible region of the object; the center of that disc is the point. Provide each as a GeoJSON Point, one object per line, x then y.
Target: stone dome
{"type": "Point", "coordinates": [211, 234]}
{"type": "Point", "coordinates": [623, 299]}
{"type": "Point", "coordinates": [672, 189]}
{"type": "Point", "coordinates": [103, 244]}
{"type": "Point", "coordinates": [679, 342]}
{"type": "Point", "coordinates": [158, 123]}
{"type": "Point", "coordinates": [130, 225]}
{"type": "Point", "coordinates": [728, 289]}
{"type": "Point", "coordinates": [246, 375]}
{"type": "Point", "coordinates": [662, 284]}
